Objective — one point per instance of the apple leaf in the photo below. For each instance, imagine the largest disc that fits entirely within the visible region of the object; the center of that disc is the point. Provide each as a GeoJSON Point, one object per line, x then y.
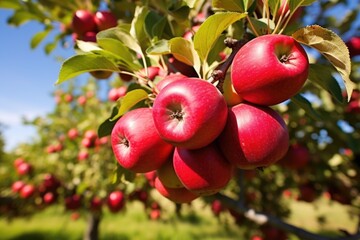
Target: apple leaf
{"type": "Point", "coordinates": [122, 175]}
{"type": "Point", "coordinates": [129, 100]}
{"type": "Point", "coordinates": [159, 48]}
{"type": "Point", "coordinates": [79, 64]}
{"type": "Point", "coordinates": [39, 37]}
{"type": "Point", "coordinates": [332, 47]}
{"type": "Point", "coordinates": [137, 30]}
{"type": "Point", "coordinates": [303, 103]}
{"type": "Point", "coordinates": [321, 75]}
{"type": "Point", "coordinates": [229, 5]}
{"type": "Point", "coordinates": [183, 50]}
{"type": "Point", "coordinates": [211, 30]}
{"type": "Point", "coordinates": [10, 4]}
{"type": "Point", "coordinates": [106, 127]}
{"type": "Point", "coordinates": [293, 4]}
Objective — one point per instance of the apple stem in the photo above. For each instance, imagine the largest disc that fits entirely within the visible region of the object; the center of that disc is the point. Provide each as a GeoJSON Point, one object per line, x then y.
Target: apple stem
{"type": "Point", "coordinates": [217, 77]}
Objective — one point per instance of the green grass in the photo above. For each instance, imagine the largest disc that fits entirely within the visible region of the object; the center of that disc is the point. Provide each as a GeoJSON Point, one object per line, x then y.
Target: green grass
{"type": "Point", "coordinates": [134, 223]}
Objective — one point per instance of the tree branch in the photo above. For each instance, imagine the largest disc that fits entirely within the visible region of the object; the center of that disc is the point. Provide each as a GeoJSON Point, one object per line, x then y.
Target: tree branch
{"type": "Point", "coordinates": [262, 218]}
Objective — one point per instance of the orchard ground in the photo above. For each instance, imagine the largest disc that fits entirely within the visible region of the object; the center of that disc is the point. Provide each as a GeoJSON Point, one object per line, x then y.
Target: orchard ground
{"type": "Point", "coordinates": [197, 222]}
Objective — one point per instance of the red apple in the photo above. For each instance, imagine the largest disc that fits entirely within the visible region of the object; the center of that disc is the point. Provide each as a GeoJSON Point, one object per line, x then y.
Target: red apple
{"type": "Point", "coordinates": [27, 191]}
{"type": "Point", "coordinates": [96, 203]}
{"type": "Point", "coordinates": [155, 214]}
{"type": "Point", "coordinates": [217, 207]}
{"type": "Point", "coordinates": [83, 155]}
{"type": "Point", "coordinates": [189, 113]}
{"type": "Point", "coordinates": [116, 201]}
{"type": "Point", "coordinates": [105, 20]}
{"type": "Point", "coordinates": [50, 182]}
{"type": "Point", "coordinates": [203, 171]}
{"type": "Point", "coordinates": [297, 157]}
{"type": "Point", "coordinates": [83, 21]}
{"type": "Point", "coordinates": [307, 193]}
{"type": "Point", "coordinates": [73, 133]}
{"type": "Point", "coordinates": [269, 69]}
{"type": "Point", "coordinates": [169, 79]}
{"type": "Point", "coordinates": [152, 72]}
{"type": "Point", "coordinates": [24, 169]}
{"type": "Point", "coordinates": [354, 46]}
{"type": "Point", "coordinates": [88, 143]}
{"type": "Point", "coordinates": [150, 177]}
{"type": "Point", "coordinates": [90, 134]}
{"type": "Point", "coordinates": [116, 93]}
{"type": "Point", "coordinates": [68, 98]}
{"type": "Point", "coordinates": [81, 100]}
{"type": "Point", "coordinates": [272, 233]}
{"type": "Point", "coordinates": [136, 144]}
{"type": "Point", "coordinates": [73, 202]}
{"type": "Point", "coordinates": [17, 186]}
{"type": "Point", "coordinates": [18, 161]}
{"type": "Point", "coordinates": [177, 195]}
{"type": "Point", "coordinates": [167, 175]}
{"type": "Point", "coordinates": [49, 198]}
{"type": "Point", "coordinates": [254, 136]}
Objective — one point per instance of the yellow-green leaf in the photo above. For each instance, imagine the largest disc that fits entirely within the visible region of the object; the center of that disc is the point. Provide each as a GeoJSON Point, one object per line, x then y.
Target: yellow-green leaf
{"type": "Point", "coordinates": [330, 45]}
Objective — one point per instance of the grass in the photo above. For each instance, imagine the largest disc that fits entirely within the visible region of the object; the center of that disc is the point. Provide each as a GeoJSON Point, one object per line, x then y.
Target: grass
{"type": "Point", "coordinates": [134, 224]}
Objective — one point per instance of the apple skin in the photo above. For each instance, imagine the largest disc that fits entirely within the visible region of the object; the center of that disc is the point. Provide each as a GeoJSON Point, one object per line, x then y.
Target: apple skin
{"type": "Point", "coordinates": [116, 201]}
{"type": "Point", "coordinates": [177, 195]}
{"type": "Point", "coordinates": [18, 161]}
{"type": "Point", "coordinates": [202, 171]}
{"type": "Point", "coordinates": [105, 20]}
{"type": "Point", "coordinates": [83, 21]}
{"type": "Point", "coordinates": [24, 169]}
{"type": "Point", "coordinates": [73, 133]}
{"type": "Point", "coordinates": [73, 202]}
{"type": "Point", "coordinates": [49, 198]}
{"type": "Point", "coordinates": [229, 93]}
{"type": "Point", "coordinates": [17, 186]}
{"type": "Point", "coordinates": [167, 176]}
{"type": "Point", "coordinates": [136, 143]}
{"type": "Point", "coordinates": [116, 93]}
{"type": "Point", "coordinates": [260, 76]}
{"type": "Point", "coordinates": [254, 136]}
{"type": "Point", "coordinates": [169, 79]}
{"type": "Point", "coordinates": [190, 113]}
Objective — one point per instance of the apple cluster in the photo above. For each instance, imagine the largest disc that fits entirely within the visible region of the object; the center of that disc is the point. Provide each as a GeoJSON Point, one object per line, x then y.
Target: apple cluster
{"type": "Point", "coordinates": [85, 24]}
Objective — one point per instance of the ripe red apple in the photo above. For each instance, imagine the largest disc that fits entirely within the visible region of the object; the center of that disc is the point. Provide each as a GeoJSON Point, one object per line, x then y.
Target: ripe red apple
{"type": "Point", "coordinates": [83, 155]}
{"type": "Point", "coordinates": [88, 143]}
{"type": "Point", "coordinates": [297, 157]}
{"type": "Point", "coordinates": [116, 201]}
{"type": "Point", "coordinates": [254, 136]}
{"type": "Point", "coordinates": [105, 20]}
{"type": "Point", "coordinates": [203, 171]}
{"type": "Point", "coordinates": [177, 195]}
{"type": "Point", "coordinates": [73, 133]}
{"type": "Point", "coordinates": [189, 113]}
{"type": "Point", "coordinates": [73, 202]}
{"type": "Point", "coordinates": [49, 198]}
{"type": "Point", "coordinates": [68, 98]}
{"type": "Point", "coordinates": [96, 203]}
{"type": "Point", "coordinates": [116, 93]}
{"type": "Point", "coordinates": [269, 69]}
{"type": "Point", "coordinates": [81, 100]}
{"type": "Point", "coordinates": [50, 182]}
{"type": "Point", "coordinates": [88, 37]}
{"type": "Point", "coordinates": [17, 186]}
{"type": "Point", "coordinates": [271, 233]}
{"type": "Point", "coordinates": [167, 175]}
{"type": "Point", "coordinates": [155, 214]}
{"type": "Point", "coordinates": [354, 46]}
{"type": "Point", "coordinates": [27, 191]}
{"type": "Point", "coordinates": [150, 177]}
{"type": "Point", "coordinates": [90, 134]}
{"type": "Point", "coordinates": [18, 161]}
{"type": "Point", "coordinates": [217, 207]}
{"type": "Point", "coordinates": [24, 168]}
{"type": "Point", "coordinates": [83, 21]}
{"type": "Point", "coordinates": [136, 144]}
{"type": "Point", "coordinates": [152, 72]}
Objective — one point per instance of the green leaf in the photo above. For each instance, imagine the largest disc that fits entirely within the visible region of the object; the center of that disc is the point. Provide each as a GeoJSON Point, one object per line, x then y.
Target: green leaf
{"type": "Point", "coordinates": [129, 100]}
{"type": "Point", "coordinates": [39, 37]}
{"type": "Point", "coordinates": [159, 48]}
{"type": "Point", "coordinates": [229, 5]}
{"type": "Point", "coordinates": [21, 17]}
{"type": "Point", "coordinates": [211, 29]}
{"type": "Point", "coordinates": [106, 127]}
{"type": "Point", "coordinates": [79, 64]}
{"type": "Point", "coordinates": [122, 175]}
{"type": "Point", "coordinates": [303, 103]}
{"type": "Point", "coordinates": [332, 47]}
{"type": "Point", "coordinates": [183, 50]}
{"type": "Point", "coordinates": [298, 3]}
{"type": "Point", "coordinates": [321, 75]}
{"type": "Point", "coordinates": [11, 4]}
{"type": "Point", "coordinates": [137, 30]}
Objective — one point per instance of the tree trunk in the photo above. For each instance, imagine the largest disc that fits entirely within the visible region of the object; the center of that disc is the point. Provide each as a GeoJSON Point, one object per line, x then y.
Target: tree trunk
{"type": "Point", "coordinates": [92, 231]}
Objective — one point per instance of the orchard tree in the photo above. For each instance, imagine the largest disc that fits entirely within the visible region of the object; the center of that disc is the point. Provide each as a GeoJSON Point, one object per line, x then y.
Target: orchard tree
{"type": "Point", "coordinates": [239, 103]}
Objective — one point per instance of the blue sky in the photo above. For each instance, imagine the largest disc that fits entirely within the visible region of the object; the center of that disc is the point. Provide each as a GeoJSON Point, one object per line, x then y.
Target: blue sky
{"type": "Point", "coordinates": [27, 79]}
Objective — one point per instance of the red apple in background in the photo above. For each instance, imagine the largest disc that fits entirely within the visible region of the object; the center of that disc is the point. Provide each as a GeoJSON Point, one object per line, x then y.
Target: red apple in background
{"type": "Point", "coordinates": [354, 46]}
{"type": "Point", "coordinates": [167, 176]}
{"type": "Point", "coordinates": [136, 143]}
{"type": "Point", "coordinates": [73, 133]}
{"type": "Point", "coordinates": [24, 168]}
{"type": "Point", "coordinates": [17, 186]}
{"type": "Point", "coordinates": [96, 203]}
{"type": "Point", "coordinates": [177, 195]}
{"type": "Point", "coordinates": [81, 100]}
{"type": "Point", "coordinates": [73, 202]}
{"type": "Point", "coordinates": [254, 136]}
{"type": "Point", "coordinates": [116, 201]}
{"type": "Point", "coordinates": [27, 191]}
{"type": "Point", "coordinates": [18, 161]}
{"type": "Point", "coordinates": [83, 21]}
{"type": "Point", "coordinates": [83, 155]}
{"type": "Point", "coordinates": [116, 93]}
{"type": "Point", "coordinates": [217, 207]}
{"type": "Point", "coordinates": [175, 66]}
{"type": "Point", "coordinates": [269, 69]}
{"type": "Point", "coordinates": [189, 113]}
{"type": "Point", "coordinates": [297, 157]}
{"type": "Point", "coordinates": [68, 98]}
{"type": "Point", "coordinates": [272, 233]}
{"type": "Point", "coordinates": [88, 143]}
{"type": "Point", "coordinates": [150, 177]}
{"type": "Point", "coordinates": [50, 182]}
{"type": "Point", "coordinates": [90, 134]}
{"type": "Point", "coordinates": [105, 20]}
{"type": "Point", "coordinates": [49, 198]}
{"type": "Point", "coordinates": [203, 171]}
{"type": "Point", "coordinates": [307, 192]}
{"type": "Point", "coordinates": [152, 72]}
